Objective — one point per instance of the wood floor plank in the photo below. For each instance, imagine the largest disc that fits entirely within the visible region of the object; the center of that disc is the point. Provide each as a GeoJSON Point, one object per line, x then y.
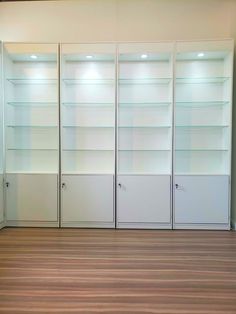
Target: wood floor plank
{"type": "Point", "coordinates": [117, 271]}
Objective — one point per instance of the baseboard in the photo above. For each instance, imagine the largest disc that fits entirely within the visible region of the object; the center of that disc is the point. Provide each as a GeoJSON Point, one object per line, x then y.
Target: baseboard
{"type": "Point", "coordinates": [79, 224]}
{"type": "Point", "coordinates": [136, 225]}
{"type": "Point", "coordinates": [47, 224]}
{"type": "Point", "coordinates": [202, 226]}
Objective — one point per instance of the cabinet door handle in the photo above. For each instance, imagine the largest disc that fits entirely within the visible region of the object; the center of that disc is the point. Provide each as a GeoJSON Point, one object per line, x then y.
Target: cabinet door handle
{"type": "Point", "coordinates": [119, 184]}
{"type": "Point", "coordinates": [63, 185]}
{"type": "Point", "coordinates": [7, 184]}
{"type": "Point", "coordinates": [176, 186]}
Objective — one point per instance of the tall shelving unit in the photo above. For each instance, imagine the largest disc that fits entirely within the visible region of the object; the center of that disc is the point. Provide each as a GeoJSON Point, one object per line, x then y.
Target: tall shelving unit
{"type": "Point", "coordinates": [144, 135]}
{"type": "Point", "coordinates": [132, 129]}
{"type": "Point", "coordinates": [88, 134]}
{"type": "Point", "coordinates": [31, 134]}
{"type": "Point", "coordinates": [203, 112]}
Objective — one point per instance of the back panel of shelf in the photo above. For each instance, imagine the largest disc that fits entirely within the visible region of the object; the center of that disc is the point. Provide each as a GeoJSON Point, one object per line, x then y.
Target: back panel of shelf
{"type": "Point", "coordinates": [88, 108]}
{"type": "Point", "coordinates": [203, 86]}
{"type": "Point", "coordinates": [31, 107]}
{"type": "Point", "coordinates": [145, 108]}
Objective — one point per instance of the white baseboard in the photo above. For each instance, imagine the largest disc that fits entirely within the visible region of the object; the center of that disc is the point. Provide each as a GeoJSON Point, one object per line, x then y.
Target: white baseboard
{"type": "Point", "coordinates": [14, 223]}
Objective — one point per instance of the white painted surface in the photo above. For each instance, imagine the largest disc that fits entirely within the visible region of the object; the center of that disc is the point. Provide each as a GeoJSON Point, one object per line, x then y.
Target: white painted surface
{"type": "Point", "coordinates": [143, 200]}
{"type": "Point", "coordinates": [31, 198]}
{"type": "Point", "coordinates": [1, 200]}
{"type": "Point", "coordinates": [201, 200]}
{"type": "Point", "coordinates": [87, 200]}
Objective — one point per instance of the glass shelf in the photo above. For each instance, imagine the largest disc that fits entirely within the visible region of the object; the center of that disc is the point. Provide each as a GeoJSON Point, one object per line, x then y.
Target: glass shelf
{"type": "Point", "coordinates": [87, 104]}
{"type": "Point", "coordinates": [74, 81]}
{"type": "Point", "coordinates": [201, 126]}
{"type": "Point", "coordinates": [144, 150]}
{"type": "Point", "coordinates": [87, 150]}
{"type": "Point", "coordinates": [200, 80]}
{"type": "Point", "coordinates": [145, 104]}
{"type": "Point", "coordinates": [89, 126]}
{"type": "Point", "coordinates": [144, 81]}
{"type": "Point", "coordinates": [145, 126]}
{"type": "Point", "coordinates": [32, 126]}
{"type": "Point", "coordinates": [201, 150]}
{"type": "Point", "coordinates": [36, 81]}
{"type": "Point", "coordinates": [201, 103]}
{"type": "Point", "coordinates": [143, 173]}
{"type": "Point", "coordinates": [31, 172]}
{"type": "Point", "coordinates": [26, 149]}
{"type": "Point", "coordinates": [32, 104]}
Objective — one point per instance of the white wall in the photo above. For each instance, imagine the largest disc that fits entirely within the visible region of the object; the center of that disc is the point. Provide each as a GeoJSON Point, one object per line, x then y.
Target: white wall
{"type": "Point", "coordinates": [120, 20]}
{"type": "Point", "coordinates": [107, 20]}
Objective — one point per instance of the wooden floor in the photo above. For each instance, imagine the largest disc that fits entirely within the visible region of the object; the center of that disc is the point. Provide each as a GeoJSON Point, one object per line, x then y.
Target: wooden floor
{"type": "Point", "coordinates": [117, 271]}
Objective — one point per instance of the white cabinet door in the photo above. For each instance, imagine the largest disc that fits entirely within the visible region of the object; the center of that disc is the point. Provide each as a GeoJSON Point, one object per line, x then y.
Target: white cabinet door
{"type": "Point", "coordinates": [201, 200]}
{"type": "Point", "coordinates": [1, 201]}
{"type": "Point", "coordinates": [88, 201]}
{"type": "Point", "coordinates": [32, 199]}
{"type": "Point", "coordinates": [143, 201]}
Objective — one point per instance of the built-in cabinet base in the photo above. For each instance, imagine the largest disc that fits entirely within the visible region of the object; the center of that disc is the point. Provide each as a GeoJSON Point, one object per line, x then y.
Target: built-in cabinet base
{"type": "Point", "coordinates": [88, 201]}
{"type": "Point", "coordinates": [144, 201]}
{"type": "Point", "coordinates": [32, 200]}
{"type": "Point", "coordinates": [201, 202]}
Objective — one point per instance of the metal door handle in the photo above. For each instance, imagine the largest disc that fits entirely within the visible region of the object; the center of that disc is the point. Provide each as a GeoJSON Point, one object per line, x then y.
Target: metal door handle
{"type": "Point", "coordinates": [176, 186]}
{"type": "Point", "coordinates": [63, 185]}
{"type": "Point", "coordinates": [7, 184]}
{"type": "Point", "coordinates": [119, 184]}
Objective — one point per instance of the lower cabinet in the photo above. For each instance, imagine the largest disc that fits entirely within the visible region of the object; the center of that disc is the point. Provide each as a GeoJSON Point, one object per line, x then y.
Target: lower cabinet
{"type": "Point", "coordinates": [144, 201]}
{"type": "Point", "coordinates": [88, 201]}
{"type": "Point", "coordinates": [32, 200]}
{"type": "Point", "coordinates": [201, 202]}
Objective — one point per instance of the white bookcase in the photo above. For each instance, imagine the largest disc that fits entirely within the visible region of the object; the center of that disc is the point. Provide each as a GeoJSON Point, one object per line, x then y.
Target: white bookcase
{"type": "Point", "coordinates": [145, 96]}
{"type": "Point", "coordinates": [88, 134]}
{"type": "Point", "coordinates": [203, 111]}
{"type": "Point", "coordinates": [137, 134]}
{"type": "Point", "coordinates": [31, 133]}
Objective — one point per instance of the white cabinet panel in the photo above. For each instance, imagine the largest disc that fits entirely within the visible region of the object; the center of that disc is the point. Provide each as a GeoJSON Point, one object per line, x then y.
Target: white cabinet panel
{"type": "Point", "coordinates": [1, 200]}
{"type": "Point", "coordinates": [31, 198]}
{"type": "Point", "coordinates": [143, 201]}
{"type": "Point", "coordinates": [87, 200]}
{"type": "Point", "coordinates": [202, 200]}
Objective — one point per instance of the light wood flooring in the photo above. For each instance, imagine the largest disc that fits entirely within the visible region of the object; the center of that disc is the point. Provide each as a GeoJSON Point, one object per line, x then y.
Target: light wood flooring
{"type": "Point", "coordinates": [117, 271]}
